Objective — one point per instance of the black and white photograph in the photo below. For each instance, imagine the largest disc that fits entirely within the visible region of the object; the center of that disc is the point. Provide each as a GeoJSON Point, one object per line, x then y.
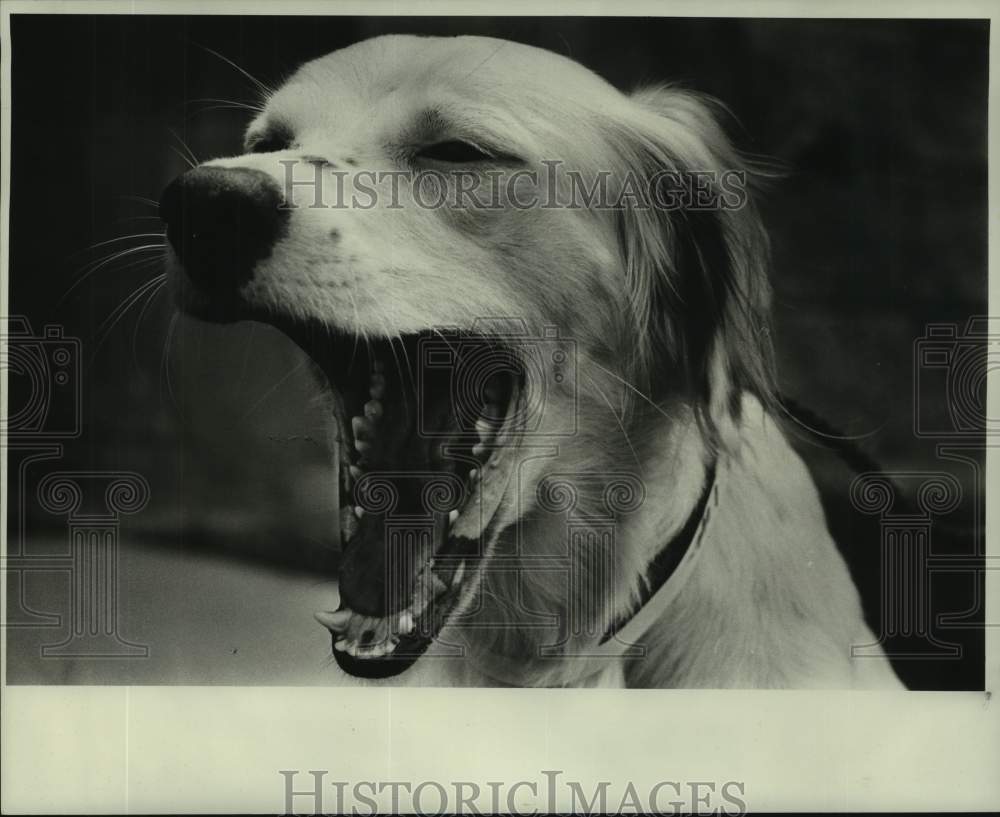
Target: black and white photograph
{"type": "Point", "coordinates": [449, 365]}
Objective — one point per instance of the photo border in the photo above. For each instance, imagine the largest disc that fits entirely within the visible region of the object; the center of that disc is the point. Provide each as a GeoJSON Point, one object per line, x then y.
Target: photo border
{"type": "Point", "coordinates": [219, 749]}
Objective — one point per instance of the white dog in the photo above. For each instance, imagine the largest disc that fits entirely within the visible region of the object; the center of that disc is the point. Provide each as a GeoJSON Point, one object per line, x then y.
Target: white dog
{"type": "Point", "coordinates": [542, 306]}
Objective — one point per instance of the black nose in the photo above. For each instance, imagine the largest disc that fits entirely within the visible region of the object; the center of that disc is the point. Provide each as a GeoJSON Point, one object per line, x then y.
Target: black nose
{"type": "Point", "coordinates": [221, 221]}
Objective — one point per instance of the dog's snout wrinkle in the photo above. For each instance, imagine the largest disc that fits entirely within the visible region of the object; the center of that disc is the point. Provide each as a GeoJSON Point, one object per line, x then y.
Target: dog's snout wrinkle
{"type": "Point", "coordinates": [221, 222]}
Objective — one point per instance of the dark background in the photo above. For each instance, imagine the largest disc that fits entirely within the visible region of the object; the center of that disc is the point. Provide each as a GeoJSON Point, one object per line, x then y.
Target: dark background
{"type": "Point", "coordinates": [878, 228]}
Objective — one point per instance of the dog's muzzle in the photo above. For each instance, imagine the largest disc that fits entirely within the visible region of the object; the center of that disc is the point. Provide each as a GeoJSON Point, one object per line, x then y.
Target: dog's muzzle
{"type": "Point", "coordinates": [221, 222]}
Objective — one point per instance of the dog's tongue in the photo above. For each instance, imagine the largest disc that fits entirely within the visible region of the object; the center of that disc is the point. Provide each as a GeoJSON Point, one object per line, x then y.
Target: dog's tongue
{"type": "Point", "coordinates": [396, 504]}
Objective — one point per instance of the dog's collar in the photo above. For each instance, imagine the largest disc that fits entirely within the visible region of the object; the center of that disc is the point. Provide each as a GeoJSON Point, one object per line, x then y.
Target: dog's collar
{"type": "Point", "coordinates": [673, 561]}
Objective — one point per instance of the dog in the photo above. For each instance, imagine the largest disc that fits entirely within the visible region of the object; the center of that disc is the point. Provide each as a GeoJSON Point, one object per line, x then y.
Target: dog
{"type": "Point", "coordinates": [540, 309]}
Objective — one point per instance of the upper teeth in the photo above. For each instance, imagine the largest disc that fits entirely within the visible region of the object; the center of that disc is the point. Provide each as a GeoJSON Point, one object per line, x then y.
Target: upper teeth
{"type": "Point", "coordinates": [362, 427]}
{"type": "Point", "coordinates": [365, 430]}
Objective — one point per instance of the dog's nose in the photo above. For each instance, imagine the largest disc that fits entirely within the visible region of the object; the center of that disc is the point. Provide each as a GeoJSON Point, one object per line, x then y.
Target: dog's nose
{"type": "Point", "coordinates": [221, 221]}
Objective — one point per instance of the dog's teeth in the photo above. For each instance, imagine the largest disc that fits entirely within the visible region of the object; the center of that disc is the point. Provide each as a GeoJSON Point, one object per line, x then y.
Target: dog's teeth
{"type": "Point", "coordinates": [421, 599]}
{"type": "Point", "coordinates": [333, 620]}
{"type": "Point", "coordinates": [478, 450]}
{"type": "Point", "coordinates": [340, 644]}
{"type": "Point", "coordinates": [358, 627]}
{"type": "Point", "coordinates": [456, 579]}
{"type": "Point", "coordinates": [377, 387]}
{"type": "Point", "coordinates": [436, 584]}
{"type": "Point", "coordinates": [362, 427]}
{"type": "Point", "coordinates": [473, 475]}
{"type": "Point", "coordinates": [405, 624]}
{"type": "Point", "coordinates": [484, 428]}
{"type": "Point", "coordinates": [356, 472]}
{"type": "Point", "coordinates": [390, 647]}
{"type": "Point", "coordinates": [359, 511]}
{"type": "Point", "coordinates": [452, 516]}
{"type": "Point", "coordinates": [373, 410]}
{"type": "Point", "coordinates": [352, 649]}
{"type": "Point", "coordinates": [362, 446]}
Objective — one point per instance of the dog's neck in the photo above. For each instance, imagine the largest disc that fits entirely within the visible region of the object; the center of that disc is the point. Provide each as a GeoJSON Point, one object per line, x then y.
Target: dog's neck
{"type": "Point", "coordinates": [670, 459]}
{"type": "Point", "coordinates": [673, 459]}
{"type": "Point", "coordinates": [757, 600]}
{"type": "Point", "coordinates": [768, 598]}
{"type": "Point", "coordinates": [667, 570]}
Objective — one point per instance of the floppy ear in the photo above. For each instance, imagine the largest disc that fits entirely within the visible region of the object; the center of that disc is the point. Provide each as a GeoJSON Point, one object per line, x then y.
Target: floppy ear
{"type": "Point", "coordinates": [696, 257]}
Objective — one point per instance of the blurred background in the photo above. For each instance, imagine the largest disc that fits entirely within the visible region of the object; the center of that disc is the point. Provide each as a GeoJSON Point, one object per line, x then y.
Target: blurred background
{"type": "Point", "coordinates": [878, 227]}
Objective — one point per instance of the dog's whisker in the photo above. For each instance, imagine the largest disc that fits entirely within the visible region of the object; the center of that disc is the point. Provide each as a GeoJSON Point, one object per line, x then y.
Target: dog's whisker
{"type": "Point", "coordinates": [129, 300]}
{"type": "Point", "coordinates": [264, 89]}
{"type": "Point", "coordinates": [107, 327]}
{"type": "Point", "coordinates": [632, 388]}
{"type": "Point", "coordinates": [85, 273]}
{"type": "Point", "coordinates": [392, 337]}
{"type": "Point", "coordinates": [165, 359]}
{"type": "Point", "coordinates": [794, 417]}
{"type": "Point", "coordinates": [185, 158]}
{"type": "Point", "coordinates": [260, 400]}
{"type": "Point", "coordinates": [411, 372]}
{"type": "Point", "coordinates": [207, 108]}
{"type": "Point", "coordinates": [188, 154]}
{"type": "Point", "coordinates": [246, 356]}
{"type": "Point", "coordinates": [445, 338]}
{"type": "Point", "coordinates": [357, 322]}
{"type": "Point", "coordinates": [130, 237]}
{"type": "Point", "coordinates": [618, 420]}
{"type": "Point", "coordinates": [141, 200]}
{"type": "Point", "coordinates": [226, 103]}
{"type": "Point", "coordinates": [399, 368]}
{"type": "Point", "coordinates": [142, 314]}
{"type": "Point", "coordinates": [98, 263]}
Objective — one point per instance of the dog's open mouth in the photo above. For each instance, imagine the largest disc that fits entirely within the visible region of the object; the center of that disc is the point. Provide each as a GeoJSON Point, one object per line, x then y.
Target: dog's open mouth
{"type": "Point", "coordinates": [426, 424]}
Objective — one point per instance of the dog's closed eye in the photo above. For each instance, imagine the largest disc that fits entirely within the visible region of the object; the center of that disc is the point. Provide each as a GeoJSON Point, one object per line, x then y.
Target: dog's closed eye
{"type": "Point", "coordinates": [455, 151]}
{"type": "Point", "coordinates": [272, 140]}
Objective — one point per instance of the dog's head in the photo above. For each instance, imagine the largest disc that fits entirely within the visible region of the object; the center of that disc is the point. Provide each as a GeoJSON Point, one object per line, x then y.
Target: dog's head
{"type": "Point", "coordinates": [482, 245]}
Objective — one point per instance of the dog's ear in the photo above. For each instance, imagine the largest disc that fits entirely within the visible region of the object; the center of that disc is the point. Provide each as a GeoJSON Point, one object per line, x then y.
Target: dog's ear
{"type": "Point", "coordinates": [696, 256]}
